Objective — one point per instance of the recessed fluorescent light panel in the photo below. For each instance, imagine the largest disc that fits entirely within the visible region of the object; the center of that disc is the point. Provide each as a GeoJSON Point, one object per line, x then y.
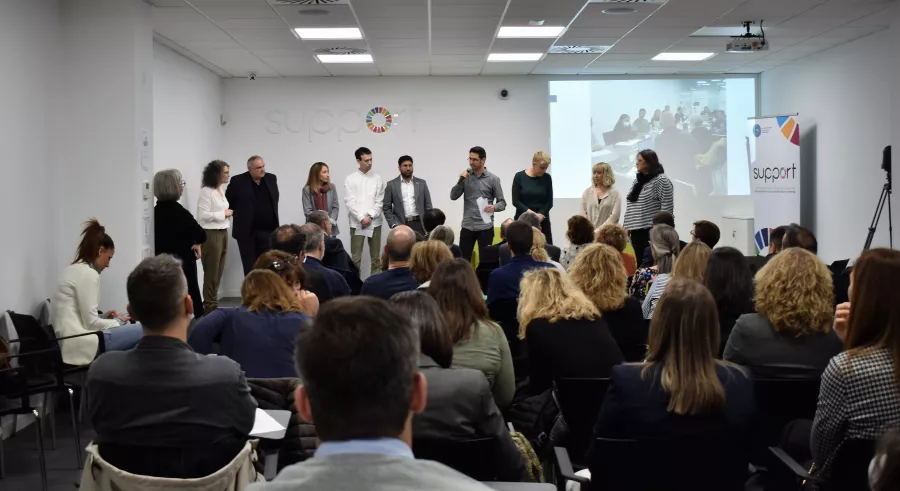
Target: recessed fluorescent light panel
{"type": "Point", "coordinates": [515, 56]}
{"type": "Point", "coordinates": [682, 56]}
{"type": "Point", "coordinates": [530, 31]}
{"type": "Point", "coordinates": [366, 58]}
{"type": "Point", "coordinates": [329, 32]}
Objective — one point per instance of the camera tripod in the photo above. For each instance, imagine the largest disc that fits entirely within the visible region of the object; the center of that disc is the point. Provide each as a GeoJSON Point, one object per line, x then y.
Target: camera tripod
{"type": "Point", "coordinates": [885, 197]}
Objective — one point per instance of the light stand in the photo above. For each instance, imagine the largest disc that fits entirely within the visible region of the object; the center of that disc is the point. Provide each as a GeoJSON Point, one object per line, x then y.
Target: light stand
{"type": "Point", "coordinates": [885, 197]}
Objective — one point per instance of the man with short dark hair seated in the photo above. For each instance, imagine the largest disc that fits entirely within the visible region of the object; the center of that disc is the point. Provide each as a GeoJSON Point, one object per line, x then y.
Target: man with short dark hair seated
{"type": "Point", "coordinates": [433, 219]}
{"type": "Point", "coordinates": [292, 239]}
{"type": "Point", "coordinates": [504, 281]}
{"type": "Point", "coordinates": [802, 237]}
{"type": "Point", "coordinates": [361, 388]}
{"type": "Point", "coordinates": [706, 232]}
{"type": "Point", "coordinates": [160, 409]}
{"type": "Point", "coordinates": [531, 219]}
{"type": "Point", "coordinates": [398, 277]}
{"type": "Point", "coordinates": [660, 218]}
{"type": "Point", "coordinates": [335, 256]}
{"type": "Point", "coordinates": [314, 251]}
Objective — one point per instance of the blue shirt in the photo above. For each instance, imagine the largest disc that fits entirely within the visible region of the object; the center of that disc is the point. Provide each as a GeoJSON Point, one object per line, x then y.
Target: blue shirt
{"type": "Point", "coordinates": [385, 285]}
{"type": "Point", "coordinates": [504, 281]}
{"type": "Point", "coordinates": [381, 446]}
{"type": "Point", "coordinates": [262, 342]}
{"type": "Point", "coordinates": [337, 285]}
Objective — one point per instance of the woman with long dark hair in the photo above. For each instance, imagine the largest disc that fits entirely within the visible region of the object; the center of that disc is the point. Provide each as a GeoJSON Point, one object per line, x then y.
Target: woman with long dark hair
{"type": "Point", "coordinates": [650, 193]}
{"type": "Point", "coordinates": [729, 279]}
{"type": "Point", "coordinates": [320, 194]}
{"type": "Point", "coordinates": [213, 215]}
{"type": "Point", "coordinates": [74, 311]}
{"type": "Point", "coordinates": [478, 342]}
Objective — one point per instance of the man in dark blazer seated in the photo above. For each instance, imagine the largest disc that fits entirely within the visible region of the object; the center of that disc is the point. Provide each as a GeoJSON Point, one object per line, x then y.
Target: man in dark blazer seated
{"type": "Point", "coordinates": [406, 198]}
{"type": "Point", "coordinates": [530, 218]}
{"type": "Point", "coordinates": [665, 218]}
{"type": "Point", "coordinates": [292, 240]}
{"type": "Point", "coordinates": [489, 257]}
{"type": "Point", "coordinates": [160, 409]}
{"type": "Point", "coordinates": [504, 281]}
{"type": "Point", "coordinates": [253, 197]}
{"type": "Point", "coordinates": [315, 249]}
{"type": "Point", "coordinates": [336, 257]}
{"type": "Point", "coordinates": [397, 277]}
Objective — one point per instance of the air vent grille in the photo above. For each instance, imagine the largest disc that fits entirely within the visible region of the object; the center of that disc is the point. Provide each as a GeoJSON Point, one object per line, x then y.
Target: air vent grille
{"type": "Point", "coordinates": [341, 51]}
{"type": "Point", "coordinates": [578, 50]}
{"type": "Point", "coordinates": [309, 2]}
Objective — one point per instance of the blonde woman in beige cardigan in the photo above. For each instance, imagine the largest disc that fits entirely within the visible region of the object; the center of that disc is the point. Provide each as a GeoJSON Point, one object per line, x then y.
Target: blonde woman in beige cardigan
{"type": "Point", "coordinates": [601, 203]}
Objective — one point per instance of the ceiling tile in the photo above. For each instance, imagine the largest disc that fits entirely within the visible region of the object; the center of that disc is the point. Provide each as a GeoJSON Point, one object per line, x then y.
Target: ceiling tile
{"type": "Point", "coordinates": [605, 70]}
{"type": "Point", "coordinates": [521, 45]}
{"type": "Point", "coordinates": [567, 61]}
{"type": "Point", "coordinates": [352, 69]}
{"type": "Point", "coordinates": [456, 68]}
{"type": "Point", "coordinates": [300, 51]}
{"type": "Point", "coordinates": [508, 68]}
{"type": "Point", "coordinates": [460, 50]}
{"type": "Point", "coordinates": [274, 24]}
{"type": "Point", "coordinates": [441, 59]}
{"type": "Point", "coordinates": [573, 41]}
{"type": "Point", "coordinates": [296, 66]}
{"type": "Point", "coordinates": [395, 55]}
{"type": "Point", "coordinates": [419, 68]}
{"type": "Point", "coordinates": [231, 9]}
{"type": "Point", "coordinates": [337, 16]}
{"type": "Point", "coordinates": [265, 39]}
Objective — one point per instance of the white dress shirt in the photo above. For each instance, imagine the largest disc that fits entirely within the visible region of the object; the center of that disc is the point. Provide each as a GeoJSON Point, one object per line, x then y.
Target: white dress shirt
{"type": "Point", "coordinates": [364, 195]}
{"type": "Point", "coordinates": [408, 190]}
{"type": "Point", "coordinates": [211, 208]}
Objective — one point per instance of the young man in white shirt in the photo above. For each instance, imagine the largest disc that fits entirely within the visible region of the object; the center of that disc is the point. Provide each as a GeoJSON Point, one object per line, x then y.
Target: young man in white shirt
{"type": "Point", "coordinates": [364, 195]}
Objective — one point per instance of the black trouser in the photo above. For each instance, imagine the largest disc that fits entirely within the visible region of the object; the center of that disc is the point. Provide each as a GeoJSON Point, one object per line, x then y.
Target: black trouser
{"type": "Point", "coordinates": [252, 247]}
{"type": "Point", "coordinates": [545, 228]}
{"type": "Point", "coordinates": [640, 239]}
{"type": "Point", "coordinates": [467, 239]}
{"type": "Point", "coordinates": [416, 225]}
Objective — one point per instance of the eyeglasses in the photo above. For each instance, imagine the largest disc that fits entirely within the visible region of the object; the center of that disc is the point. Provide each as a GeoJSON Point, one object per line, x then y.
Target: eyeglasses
{"type": "Point", "coordinates": [279, 265]}
{"type": "Point", "coordinates": [474, 160]}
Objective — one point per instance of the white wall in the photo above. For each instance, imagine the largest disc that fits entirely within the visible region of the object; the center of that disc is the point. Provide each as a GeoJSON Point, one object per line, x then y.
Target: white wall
{"type": "Point", "coordinates": [187, 103]}
{"type": "Point", "coordinates": [843, 96]}
{"type": "Point", "coordinates": [28, 46]}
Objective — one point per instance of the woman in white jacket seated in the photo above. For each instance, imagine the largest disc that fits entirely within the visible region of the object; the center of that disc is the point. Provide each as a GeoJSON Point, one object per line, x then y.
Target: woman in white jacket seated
{"type": "Point", "coordinates": [73, 309]}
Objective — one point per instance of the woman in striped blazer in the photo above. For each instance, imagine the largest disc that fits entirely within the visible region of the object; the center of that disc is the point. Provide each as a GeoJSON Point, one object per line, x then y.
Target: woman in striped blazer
{"type": "Point", "coordinates": [650, 193]}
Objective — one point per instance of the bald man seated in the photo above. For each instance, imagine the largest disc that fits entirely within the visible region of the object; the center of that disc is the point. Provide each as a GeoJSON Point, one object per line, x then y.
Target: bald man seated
{"type": "Point", "coordinates": [398, 278]}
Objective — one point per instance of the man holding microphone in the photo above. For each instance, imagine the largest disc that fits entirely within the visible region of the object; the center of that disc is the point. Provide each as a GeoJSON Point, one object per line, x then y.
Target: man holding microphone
{"type": "Point", "coordinates": [483, 193]}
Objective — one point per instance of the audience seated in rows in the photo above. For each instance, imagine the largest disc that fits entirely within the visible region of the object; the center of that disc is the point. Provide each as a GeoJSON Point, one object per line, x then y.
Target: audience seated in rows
{"type": "Point", "coordinates": [530, 218]}
{"type": "Point", "coordinates": [660, 218]}
{"type": "Point", "coordinates": [335, 256]}
{"type": "Point", "coordinates": [292, 239]}
{"type": "Point", "coordinates": [478, 342]}
{"type": "Point", "coordinates": [260, 334]}
{"type": "Point", "coordinates": [490, 256]}
{"type": "Point", "coordinates": [445, 234]}
{"type": "Point", "coordinates": [580, 234]}
{"type": "Point", "coordinates": [161, 409]}
{"type": "Point", "coordinates": [433, 219]}
{"type": "Point", "coordinates": [564, 332]}
{"type": "Point", "coordinates": [776, 239]}
{"type": "Point", "coordinates": [459, 403]}
{"type": "Point", "coordinates": [425, 258]}
{"type": "Point", "coordinates": [599, 273]}
{"type": "Point", "coordinates": [664, 244]}
{"type": "Point", "coordinates": [730, 281]}
{"type": "Point", "coordinates": [690, 264]}
{"type": "Point", "coordinates": [312, 261]}
{"type": "Point", "coordinates": [706, 232]}
{"type": "Point", "coordinates": [539, 251]}
{"type": "Point", "coordinates": [681, 391]}
{"type": "Point", "coordinates": [791, 333]}
{"type": "Point", "coordinates": [860, 391]}
{"type": "Point", "coordinates": [802, 237]}
{"type": "Point", "coordinates": [504, 281]}
{"type": "Point", "coordinates": [362, 388]}
{"type": "Point", "coordinates": [397, 277]}
{"type": "Point", "coordinates": [74, 309]}
{"type": "Point", "coordinates": [615, 235]}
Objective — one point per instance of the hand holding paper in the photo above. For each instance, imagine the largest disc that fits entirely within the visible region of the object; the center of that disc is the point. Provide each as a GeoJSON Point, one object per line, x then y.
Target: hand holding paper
{"type": "Point", "coordinates": [482, 207]}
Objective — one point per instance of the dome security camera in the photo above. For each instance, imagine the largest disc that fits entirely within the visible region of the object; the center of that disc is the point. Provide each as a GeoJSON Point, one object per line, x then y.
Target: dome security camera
{"type": "Point", "coordinates": [504, 94]}
{"type": "Point", "coordinates": [252, 76]}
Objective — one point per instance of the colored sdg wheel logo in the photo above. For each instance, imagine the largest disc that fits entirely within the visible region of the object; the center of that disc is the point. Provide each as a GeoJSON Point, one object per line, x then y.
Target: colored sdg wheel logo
{"type": "Point", "coordinates": [757, 130]}
{"type": "Point", "coordinates": [379, 120]}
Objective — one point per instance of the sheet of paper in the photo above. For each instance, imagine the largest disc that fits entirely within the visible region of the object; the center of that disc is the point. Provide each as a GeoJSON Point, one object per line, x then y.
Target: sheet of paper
{"type": "Point", "coordinates": [366, 232]}
{"type": "Point", "coordinates": [264, 423]}
{"type": "Point", "coordinates": [482, 203]}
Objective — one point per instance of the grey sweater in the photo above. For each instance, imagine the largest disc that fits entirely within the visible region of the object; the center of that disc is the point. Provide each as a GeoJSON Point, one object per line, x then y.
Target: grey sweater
{"type": "Point", "coordinates": [372, 472]}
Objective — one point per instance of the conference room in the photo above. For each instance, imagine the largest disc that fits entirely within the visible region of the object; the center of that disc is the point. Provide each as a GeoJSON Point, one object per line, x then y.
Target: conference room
{"type": "Point", "coordinates": [333, 142]}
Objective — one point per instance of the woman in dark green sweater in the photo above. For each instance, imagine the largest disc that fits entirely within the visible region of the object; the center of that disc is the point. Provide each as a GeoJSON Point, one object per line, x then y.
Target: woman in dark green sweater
{"type": "Point", "coordinates": [532, 190]}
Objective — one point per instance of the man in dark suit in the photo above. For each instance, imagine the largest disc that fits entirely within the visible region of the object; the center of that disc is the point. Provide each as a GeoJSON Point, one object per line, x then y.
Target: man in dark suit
{"type": "Point", "coordinates": [504, 281]}
{"type": "Point", "coordinates": [489, 258]}
{"type": "Point", "coordinates": [253, 197]}
{"type": "Point", "coordinates": [664, 218]}
{"type": "Point", "coordinates": [406, 198]}
{"type": "Point", "coordinates": [434, 218]}
{"type": "Point", "coordinates": [336, 257]}
{"type": "Point", "coordinates": [292, 240]}
{"type": "Point", "coordinates": [397, 277]}
{"type": "Point", "coordinates": [530, 218]}
{"type": "Point", "coordinates": [160, 409]}
{"type": "Point", "coordinates": [315, 249]}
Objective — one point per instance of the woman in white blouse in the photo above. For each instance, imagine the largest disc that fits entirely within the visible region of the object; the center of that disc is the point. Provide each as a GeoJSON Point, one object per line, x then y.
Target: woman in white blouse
{"type": "Point", "coordinates": [73, 310]}
{"type": "Point", "coordinates": [600, 203]}
{"type": "Point", "coordinates": [213, 215]}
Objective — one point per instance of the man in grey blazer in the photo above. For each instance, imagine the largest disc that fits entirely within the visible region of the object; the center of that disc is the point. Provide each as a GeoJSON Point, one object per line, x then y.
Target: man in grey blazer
{"type": "Point", "coordinates": [406, 198]}
{"type": "Point", "coordinates": [358, 360]}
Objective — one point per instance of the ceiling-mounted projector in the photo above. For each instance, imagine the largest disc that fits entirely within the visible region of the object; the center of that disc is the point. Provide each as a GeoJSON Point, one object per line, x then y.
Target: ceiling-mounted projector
{"type": "Point", "coordinates": [748, 42]}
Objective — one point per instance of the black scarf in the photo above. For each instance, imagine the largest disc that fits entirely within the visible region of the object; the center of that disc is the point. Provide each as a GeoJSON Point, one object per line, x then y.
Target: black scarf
{"type": "Point", "coordinates": [639, 184]}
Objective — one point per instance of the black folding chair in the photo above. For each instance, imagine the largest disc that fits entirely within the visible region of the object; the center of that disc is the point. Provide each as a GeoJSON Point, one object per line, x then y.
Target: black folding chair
{"type": "Point", "coordinates": [778, 402]}
{"type": "Point", "coordinates": [849, 469]}
{"type": "Point", "coordinates": [694, 463]}
{"type": "Point", "coordinates": [474, 458]}
{"type": "Point", "coordinates": [579, 401]}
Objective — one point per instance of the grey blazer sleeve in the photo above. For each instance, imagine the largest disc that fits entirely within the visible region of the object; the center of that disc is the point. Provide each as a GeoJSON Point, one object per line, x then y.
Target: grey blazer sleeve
{"type": "Point", "coordinates": [335, 204]}
{"type": "Point", "coordinates": [388, 205]}
{"type": "Point", "coordinates": [427, 194]}
{"type": "Point", "coordinates": [308, 206]}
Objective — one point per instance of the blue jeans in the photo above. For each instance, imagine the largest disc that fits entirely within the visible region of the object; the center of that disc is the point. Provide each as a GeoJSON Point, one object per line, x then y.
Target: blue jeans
{"type": "Point", "coordinates": [123, 338]}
